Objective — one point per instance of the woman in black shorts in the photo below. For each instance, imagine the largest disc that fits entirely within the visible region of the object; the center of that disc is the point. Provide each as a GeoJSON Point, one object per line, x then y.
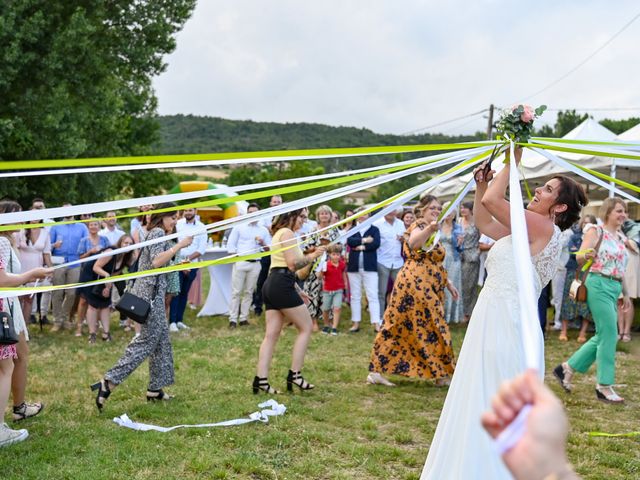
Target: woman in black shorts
{"type": "Point", "coordinates": [284, 302]}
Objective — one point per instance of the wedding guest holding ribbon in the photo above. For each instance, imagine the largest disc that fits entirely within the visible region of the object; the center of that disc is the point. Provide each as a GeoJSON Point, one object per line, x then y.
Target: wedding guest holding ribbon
{"type": "Point", "coordinates": [632, 277]}
{"type": "Point", "coordinates": [284, 302]}
{"type": "Point", "coordinates": [12, 276]}
{"type": "Point", "coordinates": [245, 240]}
{"type": "Point", "coordinates": [414, 340]}
{"type": "Point", "coordinates": [153, 342]}
{"type": "Point", "coordinates": [98, 297]}
{"type": "Point", "coordinates": [605, 282]}
{"type": "Point", "coordinates": [572, 311]}
{"type": "Point", "coordinates": [362, 271]}
{"type": "Point", "coordinates": [470, 258]}
{"type": "Point", "coordinates": [9, 353]}
{"type": "Point", "coordinates": [321, 235]}
{"type": "Point", "coordinates": [34, 249]}
{"type": "Point", "coordinates": [64, 241]}
{"type": "Point", "coordinates": [389, 255]}
{"type": "Point", "coordinates": [492, 351]}
{"type": "Point", "coordinates": [451, 239]}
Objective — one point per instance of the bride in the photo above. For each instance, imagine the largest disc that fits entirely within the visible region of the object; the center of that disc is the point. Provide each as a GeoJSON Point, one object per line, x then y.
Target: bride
{"type": "Point", "coordinates": [491, 352]}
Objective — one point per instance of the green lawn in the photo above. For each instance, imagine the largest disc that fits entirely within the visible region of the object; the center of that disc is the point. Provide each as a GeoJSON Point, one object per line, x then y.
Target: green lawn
{"type": "Point", "coordinates": [344, 429]}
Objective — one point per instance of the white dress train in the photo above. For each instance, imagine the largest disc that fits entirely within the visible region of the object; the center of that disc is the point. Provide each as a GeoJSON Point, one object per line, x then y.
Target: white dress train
{"type": "Point", "coordinates": [491, 353]}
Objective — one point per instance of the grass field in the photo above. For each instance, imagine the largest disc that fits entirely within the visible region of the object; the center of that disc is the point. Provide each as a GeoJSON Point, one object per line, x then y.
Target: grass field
{"type": "Point", "coordinates": [344, 429]}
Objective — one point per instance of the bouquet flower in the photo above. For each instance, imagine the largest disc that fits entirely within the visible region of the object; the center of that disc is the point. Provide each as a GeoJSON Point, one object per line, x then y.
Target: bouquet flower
{"type": "Point", "coordinates": [516, 122]}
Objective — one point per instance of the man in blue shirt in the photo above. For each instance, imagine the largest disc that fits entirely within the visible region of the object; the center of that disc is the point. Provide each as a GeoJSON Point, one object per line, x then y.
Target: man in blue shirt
{"type": "Point", "coordinates": [64, 244]}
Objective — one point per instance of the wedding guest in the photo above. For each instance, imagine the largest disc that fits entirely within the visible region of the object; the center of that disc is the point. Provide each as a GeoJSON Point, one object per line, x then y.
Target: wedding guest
{"type": "Point", "coordinates": [139, 222]}
{"type": "Point", "coordinates": [98, 297]}
{"type": "Point", "coordinates": [193, 228]}
{"type": "Point", "coordinates": [111, 230]}
{"type": "Point", "coordinates": [333, 276]}
{"type": "Point", "coordinates": [632, 276]}
{"type": "Point", "coordinates": [10, 261]}
{"type": "Point", "coordinates": [265, 262]}
{"type": "Point", "coordinates": [604, 283]}
{"type": "Point", "coordinates": [451, 239]}
{"type": "Point", "coordinates": [572, 310]}
{"type": "Point", "coordinates": [470, 258]}
{"type": "Point", "coordinates": [557, 282]}
{"type": "Point", "coordinates": [362, 272]}
{"type": "Point", "coordinates": [64, 241]}
{"type": "Point", "coordinates": [153, 341]}
{"type": "Point", "coordinates": [284, 302]}
{"type": "Point", "coordinates": [320, 235]}
{"type": "Point", "coordinates": [414, 340]}
{"type": "Point", "coordinates": [34, 249]}
{"type": "Point", "coordinates": [389, 255]}
{"type": "Point", "coordinates": [42, 300]}
{"type": "Point", "coordinates": [243, 240]}
{"type": "Point", "coordinates": [9, 353]}
{"type": "Point", "coordinates": [408, 218]}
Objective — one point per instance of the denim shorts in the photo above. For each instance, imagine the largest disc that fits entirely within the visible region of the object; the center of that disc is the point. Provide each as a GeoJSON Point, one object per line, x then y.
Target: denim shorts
{"type": "Point", "coordinates": [332, 299]}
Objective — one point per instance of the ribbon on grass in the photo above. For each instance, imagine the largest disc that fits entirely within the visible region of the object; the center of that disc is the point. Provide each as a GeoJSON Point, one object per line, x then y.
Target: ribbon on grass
{"type": "Point", "coordinates": [269, 409]}
{"type": "Point", "coordinates": [614, 435]}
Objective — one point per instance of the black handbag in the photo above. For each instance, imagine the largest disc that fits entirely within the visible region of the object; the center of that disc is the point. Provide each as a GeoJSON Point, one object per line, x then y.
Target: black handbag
{"type": "Point", "coordinates": [134, 307]}
{"type": "Point", "coordinates": [8, 335]}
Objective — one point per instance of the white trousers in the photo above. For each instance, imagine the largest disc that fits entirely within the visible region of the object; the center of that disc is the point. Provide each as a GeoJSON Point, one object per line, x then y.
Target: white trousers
{"type": "Point", "coordinates": [368, 280]}
{"type": "Point", "coordinates": [244, 277]}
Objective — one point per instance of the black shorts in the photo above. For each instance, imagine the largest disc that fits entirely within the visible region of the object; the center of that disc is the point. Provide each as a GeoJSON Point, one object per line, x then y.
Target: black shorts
{"type": "Point", "coordinates": [279, 291]}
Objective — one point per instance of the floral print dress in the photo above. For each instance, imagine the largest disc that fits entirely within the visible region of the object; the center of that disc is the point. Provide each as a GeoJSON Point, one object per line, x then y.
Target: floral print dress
{"type": "Point", "coordinates": [414, 340]}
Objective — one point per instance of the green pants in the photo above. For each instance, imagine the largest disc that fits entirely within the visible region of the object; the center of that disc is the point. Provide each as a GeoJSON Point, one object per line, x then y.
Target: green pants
{"type": "Point", "coordinates": [602, 299]}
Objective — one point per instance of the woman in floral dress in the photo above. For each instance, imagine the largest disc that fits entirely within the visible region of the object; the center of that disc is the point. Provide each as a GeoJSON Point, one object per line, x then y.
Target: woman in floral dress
{"type": "Point", "coordinates": [414, 340]}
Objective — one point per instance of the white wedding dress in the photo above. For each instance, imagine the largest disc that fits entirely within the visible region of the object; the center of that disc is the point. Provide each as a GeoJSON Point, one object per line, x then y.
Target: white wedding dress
{"type": "Point", "coordinates": [491, 353]}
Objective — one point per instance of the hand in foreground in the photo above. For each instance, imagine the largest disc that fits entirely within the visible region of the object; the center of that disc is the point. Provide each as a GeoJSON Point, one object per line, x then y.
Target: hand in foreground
{"type": "Point", "coordinates": [542, 449]}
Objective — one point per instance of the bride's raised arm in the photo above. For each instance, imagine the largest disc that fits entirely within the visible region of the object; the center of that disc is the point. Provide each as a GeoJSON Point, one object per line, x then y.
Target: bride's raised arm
{"type": "Point", "coordinates": [483, 218]}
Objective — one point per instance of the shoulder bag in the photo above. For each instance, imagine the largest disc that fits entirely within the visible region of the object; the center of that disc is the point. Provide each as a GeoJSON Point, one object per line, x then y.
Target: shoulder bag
{"type": "Point", "coordinates": [8, 335]}
{"type": "Point", "coordinates": [578, 289]}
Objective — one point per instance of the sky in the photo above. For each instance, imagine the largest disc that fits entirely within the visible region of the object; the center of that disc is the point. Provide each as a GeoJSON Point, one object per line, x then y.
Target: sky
{"type": "Point", "coordinates": [396, 66]}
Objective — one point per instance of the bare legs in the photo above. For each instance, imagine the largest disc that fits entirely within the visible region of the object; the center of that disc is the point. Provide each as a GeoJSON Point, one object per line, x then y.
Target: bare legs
{"type": "Point", "coordinates": [92, 319]}
{"type": "Point", "coordinates": [275, 319]}
{"type": "Point", "coordinates": [19, 376]}
{"type": "Point", "coordinates": [625, 320]}
{"type": "Point", "coordinates": [6, 369]}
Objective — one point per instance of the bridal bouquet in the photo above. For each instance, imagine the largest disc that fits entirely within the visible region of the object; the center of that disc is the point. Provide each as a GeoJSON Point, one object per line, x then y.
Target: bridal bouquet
{"type": "Point", "coordinates": [516, 123]}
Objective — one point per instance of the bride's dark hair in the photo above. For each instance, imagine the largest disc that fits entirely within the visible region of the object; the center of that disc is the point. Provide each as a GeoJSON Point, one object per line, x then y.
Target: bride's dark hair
{"type": "Point", "coordinates": [573, 196]}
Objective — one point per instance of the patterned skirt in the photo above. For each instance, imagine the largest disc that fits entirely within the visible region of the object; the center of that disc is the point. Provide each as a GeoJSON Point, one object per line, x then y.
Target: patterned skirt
{"type": "Point", "coordinates": [572, 310]}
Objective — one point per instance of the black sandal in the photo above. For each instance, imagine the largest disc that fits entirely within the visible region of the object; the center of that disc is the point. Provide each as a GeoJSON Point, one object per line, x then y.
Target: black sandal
{"type": "Point", "coordinates": [106, 337]}
{"type": "Point", "coordinates": [158, 395]}
{"type": "Point", "coordinates": [103, 392]}
{"type": "Point", "coordinates": [296, 378]}
{"type": "Point", "coordinates": [26, 410]}
{"type": "Point", "coordinates": [262, 383]}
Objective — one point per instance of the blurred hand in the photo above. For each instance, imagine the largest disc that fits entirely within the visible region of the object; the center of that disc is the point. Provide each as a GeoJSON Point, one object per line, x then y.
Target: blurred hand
{"type": "Point", "coordinates": [453, 290]}
{"type": "Point", "coordinates": [41, 273]}
{"type": "Point", "coordinates": [542, 449]}
{"type": "Point", "coordinates": [368, 239]}
{"type": "Point", "coordinates": [319, 251]}
{"type": "Point", "coordinates": [58, 244]}
{"type": "Point", "coordinates": [185, 242]}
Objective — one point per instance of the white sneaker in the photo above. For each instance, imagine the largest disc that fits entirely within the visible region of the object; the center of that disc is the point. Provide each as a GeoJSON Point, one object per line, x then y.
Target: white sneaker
{"type": "Point", "coordinates": [8, 436]}
{"type": "Point", "coordinates": [182, 326]}
{"type": "Point", "coordinates": [374, 378]}
{"type": "Point", "coordinates": [173, 327]}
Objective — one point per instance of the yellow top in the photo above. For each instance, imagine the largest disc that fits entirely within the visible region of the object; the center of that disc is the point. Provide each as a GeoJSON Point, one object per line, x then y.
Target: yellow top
{"type": "Point", "coordinates": [277, 259]}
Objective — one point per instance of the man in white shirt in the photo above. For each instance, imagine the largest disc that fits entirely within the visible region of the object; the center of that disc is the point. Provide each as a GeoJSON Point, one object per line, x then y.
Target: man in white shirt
{"type": "Point", "coordinates": [111, 230]}
{"type": "Point", "coordinates": [187, 226]}
{"type": "Point", "coordinates": [389, 254]}
{"type": "Point", "coordinates": [243, 240]}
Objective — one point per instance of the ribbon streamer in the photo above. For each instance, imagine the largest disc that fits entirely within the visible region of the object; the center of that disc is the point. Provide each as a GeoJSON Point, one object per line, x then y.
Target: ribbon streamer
{"type": "Point", "coordinates": [270, 408]}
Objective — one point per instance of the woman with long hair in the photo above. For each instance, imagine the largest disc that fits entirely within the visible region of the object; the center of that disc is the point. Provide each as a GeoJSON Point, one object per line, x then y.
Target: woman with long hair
{"type": "Point", "coordinates": [153, 342]}
{"type": "Point", "coordinates": [492, 349]}
{"type": "Point", "coordinates": [10, 261]}
{"type": "Point", "coordinates": [98, 298]}
{"type": "Point", "coordinates": [285, 302]}
{"type": "Point", "coordinates": [414, 340]}
{"type": "Point", "coordinates": [605, 282]}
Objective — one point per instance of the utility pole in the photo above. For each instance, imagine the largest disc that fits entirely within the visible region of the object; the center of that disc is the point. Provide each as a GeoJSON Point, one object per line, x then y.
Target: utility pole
{"type": "Point", "coordinates": [490, 124]}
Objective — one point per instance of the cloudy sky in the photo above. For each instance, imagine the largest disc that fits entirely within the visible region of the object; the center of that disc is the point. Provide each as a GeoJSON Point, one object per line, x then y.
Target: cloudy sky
{"type": "Point", "coordinates": [395, 66]}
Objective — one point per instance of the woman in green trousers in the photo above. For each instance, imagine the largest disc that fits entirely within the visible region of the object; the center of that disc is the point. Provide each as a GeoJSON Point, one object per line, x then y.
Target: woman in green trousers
{"type": "Point", "coordinates": [605, 283]}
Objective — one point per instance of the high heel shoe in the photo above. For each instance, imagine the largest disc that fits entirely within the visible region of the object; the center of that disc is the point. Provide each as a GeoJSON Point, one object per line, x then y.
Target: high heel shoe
{"type": "Point", "coordinates": [262, 383]}
{"type": "Point", "coordinates": [103, 393]}
{"type": "Point", "coordinates": [296, 378]}
{"type": "Point", "coordinates": [158, 395]}
{"type": "Point", "coordinates": [606, 394]}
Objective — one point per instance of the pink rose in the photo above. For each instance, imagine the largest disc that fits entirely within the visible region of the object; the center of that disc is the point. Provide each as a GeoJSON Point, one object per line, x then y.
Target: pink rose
{"type": "Point", "coordinates": [528, 115]}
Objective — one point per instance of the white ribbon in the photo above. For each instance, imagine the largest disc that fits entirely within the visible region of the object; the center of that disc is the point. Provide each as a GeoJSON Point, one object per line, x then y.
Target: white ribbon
{"type": "Point", "coordinates": [270, 408]}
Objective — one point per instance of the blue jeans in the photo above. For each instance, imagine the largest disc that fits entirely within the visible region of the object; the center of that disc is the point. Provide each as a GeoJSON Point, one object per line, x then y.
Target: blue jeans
{"type": "Point", "coordinates": [179, 302]}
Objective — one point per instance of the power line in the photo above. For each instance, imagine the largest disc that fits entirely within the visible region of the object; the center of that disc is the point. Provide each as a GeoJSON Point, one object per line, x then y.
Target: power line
{"type": "Point", "coordinates": [445, 122]}
{"type": "Point", "coordinates": [598, 50]}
